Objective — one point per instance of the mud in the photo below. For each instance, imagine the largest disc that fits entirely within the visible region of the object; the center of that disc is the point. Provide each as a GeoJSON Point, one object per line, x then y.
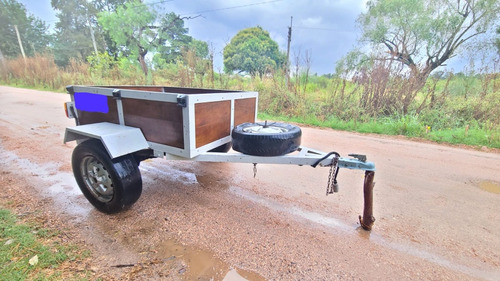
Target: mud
{"type": "Point", "coordinates": [490, 186]}
{"type": "Point", "coordinates": [436, 208]}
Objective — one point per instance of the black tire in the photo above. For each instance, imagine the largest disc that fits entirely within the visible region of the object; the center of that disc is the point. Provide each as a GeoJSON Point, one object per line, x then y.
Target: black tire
{"type": "Point", "coordinates": [109, 185]}
{"type": "Point", "coordinates": [266, 139]}
{"type": "Point", "coordinates": [222, 148]}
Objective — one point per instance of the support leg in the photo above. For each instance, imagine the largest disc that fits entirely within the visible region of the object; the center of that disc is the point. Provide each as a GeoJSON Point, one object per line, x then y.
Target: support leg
{"type": "Point", "coordinates": [367, 219]}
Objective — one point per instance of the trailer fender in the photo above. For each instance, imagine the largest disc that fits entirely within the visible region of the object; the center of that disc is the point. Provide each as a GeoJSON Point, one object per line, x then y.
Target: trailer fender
{"type": "Point", "coordinates": [118, 140]}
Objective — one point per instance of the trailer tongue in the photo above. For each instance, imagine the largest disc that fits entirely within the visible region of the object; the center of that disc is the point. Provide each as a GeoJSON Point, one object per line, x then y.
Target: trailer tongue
{"type": "Point", "coordinates": [119, 126]}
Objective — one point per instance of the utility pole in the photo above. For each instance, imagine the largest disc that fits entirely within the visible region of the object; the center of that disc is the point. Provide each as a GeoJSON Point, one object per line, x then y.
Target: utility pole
{"type": "Point", "coordinates": [92, 36]}
{"type": "Point", "coordinates": [1, 58]}
{"type": "Point", "coordinates": [287, 65]}
{"type": "Point", "coordinates": [20, 43]}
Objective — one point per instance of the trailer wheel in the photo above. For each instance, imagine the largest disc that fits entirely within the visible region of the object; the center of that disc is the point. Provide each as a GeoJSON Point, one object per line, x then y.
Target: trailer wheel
{"type": "Point", "coordinates": [266, 139]}
{"type": "Point", "coordinates": [109, 185]}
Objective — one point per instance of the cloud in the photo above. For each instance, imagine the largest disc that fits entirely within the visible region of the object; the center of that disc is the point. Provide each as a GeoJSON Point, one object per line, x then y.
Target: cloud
{"type": "Point", "coordinates": [324, 27]}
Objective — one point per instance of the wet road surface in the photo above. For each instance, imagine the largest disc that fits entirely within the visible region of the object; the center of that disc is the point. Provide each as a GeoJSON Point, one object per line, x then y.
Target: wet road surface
{"type": "Point", "coordinates": [436, 208]}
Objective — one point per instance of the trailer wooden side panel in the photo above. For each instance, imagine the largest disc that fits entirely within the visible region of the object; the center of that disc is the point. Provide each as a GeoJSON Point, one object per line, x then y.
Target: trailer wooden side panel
{"type": "Point", "coordinates": [160, 122]}
{"type": "Point", "coordinates": [212, 121]}
{"type": "Point", "coordinates": [244, 110]}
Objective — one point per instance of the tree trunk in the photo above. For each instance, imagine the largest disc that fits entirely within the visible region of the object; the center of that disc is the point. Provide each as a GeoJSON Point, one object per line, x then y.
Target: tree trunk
{"type": "Point", "coordinates": [142, 61]}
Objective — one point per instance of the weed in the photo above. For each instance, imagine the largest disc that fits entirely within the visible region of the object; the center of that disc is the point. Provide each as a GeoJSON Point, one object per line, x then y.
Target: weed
{"type": "Point", "coordinates": [29, 252]}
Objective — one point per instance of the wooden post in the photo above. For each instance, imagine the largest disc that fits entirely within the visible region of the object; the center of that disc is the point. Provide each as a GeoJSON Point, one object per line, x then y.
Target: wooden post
{"type": "Point", "coordinates": [367, 219]}
{"type": "Point", "coordinates": [287, 64]}
{"type": "Point", "coordinates": [93, 37]}
{"type": "Point", "coordinates": [20, 43]}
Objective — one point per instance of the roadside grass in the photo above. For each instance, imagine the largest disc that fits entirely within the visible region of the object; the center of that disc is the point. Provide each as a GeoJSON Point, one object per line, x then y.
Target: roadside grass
{"type": "Point", "coordinates": [31, 252]}
{"type": "Point", "coordinates": [408, 126]}
{"type": "Point", "coordinates": [455, 109]}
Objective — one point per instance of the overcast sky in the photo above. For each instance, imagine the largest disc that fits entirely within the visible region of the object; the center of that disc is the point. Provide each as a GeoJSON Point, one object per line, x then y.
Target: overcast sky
{"type": "Point", "coordinates": [324, 28]}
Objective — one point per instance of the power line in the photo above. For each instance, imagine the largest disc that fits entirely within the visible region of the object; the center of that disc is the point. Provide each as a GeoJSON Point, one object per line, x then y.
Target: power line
{"type": "Point", "coordinates": [317, 28]}
{"type": "Point", "coordinates": [159, 2]}
{"type": "Point", "coordinates": [233, 7]}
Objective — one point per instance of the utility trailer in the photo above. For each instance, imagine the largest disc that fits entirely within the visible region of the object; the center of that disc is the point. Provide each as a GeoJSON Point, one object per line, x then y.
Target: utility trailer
{"type": "Point", "coordinates": [117, 127]}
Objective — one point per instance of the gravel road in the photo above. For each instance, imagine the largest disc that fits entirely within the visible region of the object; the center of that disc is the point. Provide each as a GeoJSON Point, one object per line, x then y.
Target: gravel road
{"type": "Point", "coordinates": [437, 208]}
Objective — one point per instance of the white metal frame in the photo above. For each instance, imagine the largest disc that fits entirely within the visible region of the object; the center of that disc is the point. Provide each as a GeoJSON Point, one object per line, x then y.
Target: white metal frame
{"type": "Point", "coordinates": [188, 113]}
{"type": "Point", "coordinates": [121, 139]}
{"type": "Point", "coordinates": [303, 156]}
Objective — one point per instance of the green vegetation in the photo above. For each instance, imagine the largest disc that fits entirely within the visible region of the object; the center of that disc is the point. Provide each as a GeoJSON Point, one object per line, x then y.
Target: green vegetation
{"type": "Point", "coordinates": [253, 51]}
{"type": "Point", "coordinates": [134, 30]}
{"type": "Point", "coordinates": [394, 88]}
{"type": "Point", "coordinates": [423, 35]}
{"type": "Point", "coordinates": [28, 252]}
{"type": "Point", "coordinates": [13, 15]}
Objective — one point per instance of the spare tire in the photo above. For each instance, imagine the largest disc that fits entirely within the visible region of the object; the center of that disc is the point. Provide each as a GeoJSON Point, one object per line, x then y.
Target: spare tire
{"type": "Point", "coordinates": [266, 139]}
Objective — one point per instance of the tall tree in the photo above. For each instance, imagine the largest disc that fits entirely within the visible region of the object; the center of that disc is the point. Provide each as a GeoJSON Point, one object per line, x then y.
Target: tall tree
{"type": "Point", "coordinates": [106, 6]}
{"type": "Point", "coordinates": [73, 34]}
{"type": "Point", "coordinates": [33, 31]}
{"type": "Point", "coordinates": [138, 29]}
{"type": "Point", "coordinates": [253, 51]}
{"type": "Point", "coordinates": [173, 38]}
{"type": "Point", "coordinates": [424, 34]}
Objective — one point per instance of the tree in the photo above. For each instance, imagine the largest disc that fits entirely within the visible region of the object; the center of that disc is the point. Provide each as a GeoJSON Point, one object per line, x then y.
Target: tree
{"type": "Point", "coordinates": [137, 29]}
{"type": "Point", "coordinates": [424, 34]}
{"type": "Point", "coordinates": [173, 38]}
{"type": "Point", "coordinates": [253, 51]}
{"type": "Point", "coordinates": [73, 35]}
{"type": "Point", "coordinates": [109, 6]}
{"type": "Point", "coordinates": [33, 31]}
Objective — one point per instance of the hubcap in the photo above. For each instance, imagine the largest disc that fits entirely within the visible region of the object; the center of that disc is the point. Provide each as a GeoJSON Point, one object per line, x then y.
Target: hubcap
{"type": "Point", "coordinates": [97, 179]}
{"type": "Point", "coordinates": [270, 129]}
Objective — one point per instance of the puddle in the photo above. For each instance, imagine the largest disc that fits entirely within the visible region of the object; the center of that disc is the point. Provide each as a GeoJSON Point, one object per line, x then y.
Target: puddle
{"type": "Point", "coordinates": [203, 265]}
{"type": "Point", "coordinates": [490, 186]}
{"type": "Point", "coordinates": [338, 225]}
{"type": "Point", "coordinates": [170, 173]}
{"type": "Point", "coordinates": [60, 186]}
{"type": "Point", "coordinates": [297, 212]}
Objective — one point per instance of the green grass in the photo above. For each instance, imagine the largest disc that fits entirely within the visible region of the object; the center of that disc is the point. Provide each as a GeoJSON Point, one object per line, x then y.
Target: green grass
{"type": "Point", "coordinates": [21, 242]}
{"type": "Point", "coordinates": [408, 126]}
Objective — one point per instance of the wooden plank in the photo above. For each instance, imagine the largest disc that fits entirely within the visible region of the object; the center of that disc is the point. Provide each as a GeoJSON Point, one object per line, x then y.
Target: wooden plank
{"type": "Point", "coordinates": [86, 117]}
{"type": "Point", "coordinates": [212, 121]}
{"type": "Point", "coordinates": [160, 122]}
{"type": "Point", "coordinates": [244, 111]}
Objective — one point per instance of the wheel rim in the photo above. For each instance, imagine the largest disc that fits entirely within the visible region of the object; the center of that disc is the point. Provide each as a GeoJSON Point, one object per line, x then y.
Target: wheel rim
{"type": "Point", "coordinates": [97, 179]}
{"type": "Point", "coordinates": [270, 129]}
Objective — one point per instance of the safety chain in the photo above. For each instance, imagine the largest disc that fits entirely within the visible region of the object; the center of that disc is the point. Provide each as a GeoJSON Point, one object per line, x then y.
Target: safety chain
{"type": "Point", "coordinates": [332, 185]}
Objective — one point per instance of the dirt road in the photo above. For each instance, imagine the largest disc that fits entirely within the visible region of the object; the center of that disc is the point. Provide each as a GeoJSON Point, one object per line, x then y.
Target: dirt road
{"type": "Point", "coordinates": [437, 208]}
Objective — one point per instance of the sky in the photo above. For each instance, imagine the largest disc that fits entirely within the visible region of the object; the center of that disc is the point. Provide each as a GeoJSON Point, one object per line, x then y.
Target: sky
{"type": "Point", "coordinates": [325, 29]}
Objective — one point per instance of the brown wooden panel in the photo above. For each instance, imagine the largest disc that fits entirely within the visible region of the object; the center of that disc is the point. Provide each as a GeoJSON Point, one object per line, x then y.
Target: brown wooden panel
{"type": "Point", "coordinates": [86, 117]}
{"type": "Point", "coordinates": [160, 122]}
{"type": "Point", "coordinates": [244, 111]}
{"type": "Point", "coordinates": [212, 121]}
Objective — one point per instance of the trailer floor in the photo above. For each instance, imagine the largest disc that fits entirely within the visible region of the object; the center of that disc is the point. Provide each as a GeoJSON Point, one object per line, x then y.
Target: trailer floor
{"type": "Point", "coordinates": [436, 208]}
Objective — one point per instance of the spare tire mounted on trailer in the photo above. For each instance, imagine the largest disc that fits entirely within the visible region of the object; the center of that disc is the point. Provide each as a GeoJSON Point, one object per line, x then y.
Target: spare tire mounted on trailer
{"type": "Point", "coordinates": [266, 139]}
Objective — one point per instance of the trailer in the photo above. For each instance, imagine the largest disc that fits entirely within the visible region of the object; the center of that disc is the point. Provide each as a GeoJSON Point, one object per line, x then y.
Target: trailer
{"type": "Point", "coordinates": [117, 127]}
